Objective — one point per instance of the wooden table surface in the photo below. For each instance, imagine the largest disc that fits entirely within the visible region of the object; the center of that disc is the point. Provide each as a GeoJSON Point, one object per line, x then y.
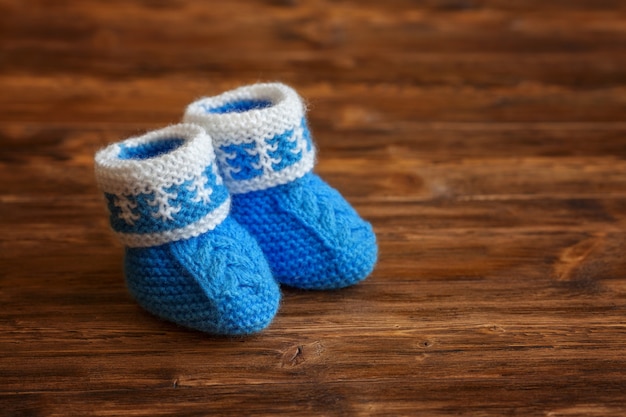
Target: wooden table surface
{"type": "Point", "coordinates": [484, 139]}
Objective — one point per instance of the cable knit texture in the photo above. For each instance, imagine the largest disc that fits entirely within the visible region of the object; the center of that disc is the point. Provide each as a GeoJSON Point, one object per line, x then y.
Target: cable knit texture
{"type": "Point", "coordinates": [186, 259]}
{"type": "Point", "coordinates": [311, 236]}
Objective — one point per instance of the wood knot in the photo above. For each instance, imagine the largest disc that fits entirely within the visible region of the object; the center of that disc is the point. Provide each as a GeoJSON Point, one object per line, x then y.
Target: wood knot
{"type": "Point", "coordinates": [293, 356]}
{"type": "Point", "coordinates": [298, 354]}
{"type": "Point", "coordinates": [425, 344]}
{"type": "Point", "coordinates": [494, 328]}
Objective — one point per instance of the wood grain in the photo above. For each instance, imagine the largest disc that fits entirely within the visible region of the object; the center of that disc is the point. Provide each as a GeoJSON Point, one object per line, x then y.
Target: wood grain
{"type": "Point", "coordinates": [484, 139]}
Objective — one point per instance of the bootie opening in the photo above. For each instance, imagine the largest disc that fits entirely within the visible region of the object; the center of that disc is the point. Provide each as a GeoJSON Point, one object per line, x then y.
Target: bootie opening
{"type": "Point", "coordinates": [245, 99]}
{"type": "Point", "coordinates": [240, 106]}
{"type": "Point", "coordinates": [149, 150]}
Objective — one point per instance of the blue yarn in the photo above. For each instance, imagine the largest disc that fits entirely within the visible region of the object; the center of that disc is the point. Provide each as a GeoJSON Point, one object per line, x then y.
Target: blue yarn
{"type": "Point", "coordinates": [243, 160]}
{"type": "Point", "coordinates": [285, 152]}
{"type": "Point", "coordinates": [244, 164]}
{"type": "Point", "coordinates": [311, 236]}
{"type": "Point", "coordinates": [189, 210]}
{"type": "Point", "coordinates": [218, 282]}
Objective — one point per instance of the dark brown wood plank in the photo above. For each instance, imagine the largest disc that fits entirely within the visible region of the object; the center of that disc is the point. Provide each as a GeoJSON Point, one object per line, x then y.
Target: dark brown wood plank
{"type": "Point", "coordinates": [76, 32]}
{"type": "Point", "coordinates": [484, 139]}
{"type": "Point", "coordinates": [152, 100]}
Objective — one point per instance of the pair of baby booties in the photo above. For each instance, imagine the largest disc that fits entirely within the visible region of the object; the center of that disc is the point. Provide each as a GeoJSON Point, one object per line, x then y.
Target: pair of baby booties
{"type": "Point", "coordinates": [215, 212]}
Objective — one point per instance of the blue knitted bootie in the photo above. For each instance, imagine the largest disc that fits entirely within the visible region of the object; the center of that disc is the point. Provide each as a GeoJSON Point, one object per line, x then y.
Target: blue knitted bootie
{"type": "Point", "coordinates": [186, 259]}
{"type": "Point", "coordinates": [311, 236]}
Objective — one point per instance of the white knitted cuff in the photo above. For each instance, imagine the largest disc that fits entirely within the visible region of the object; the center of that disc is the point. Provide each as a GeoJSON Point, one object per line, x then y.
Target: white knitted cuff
{"type": "Point", "coordinates": [163, 186]}
{"type": "Point", "coordinates": [260, 135]}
